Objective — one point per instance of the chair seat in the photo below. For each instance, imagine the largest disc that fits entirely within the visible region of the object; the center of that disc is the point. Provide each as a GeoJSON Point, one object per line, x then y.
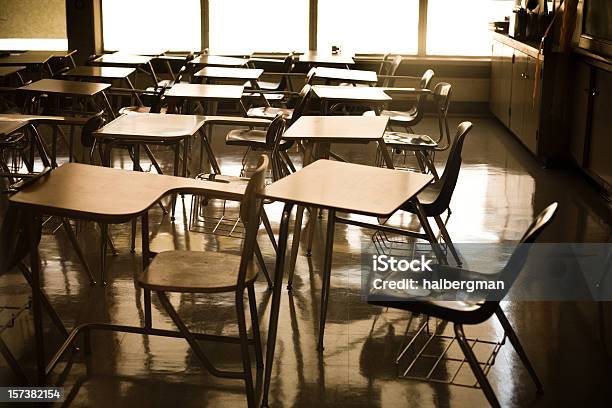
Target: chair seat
{"type": "Point", "coordinates": [441, 304]}
{"type": "Point", "coordinates": [403, 140]}
{"type": "Point", "coordinates": [269, 86]}
{"type": "Point", "coordinates": [222, 178]}
{"type": "Point", "coordinates": [195, 272]}
{"type": "Point", "coordinates": [427, 197]}
{"type": "Point", "coordinates": [267, 112]}
{"type": "Point", "coordinates": [138, 109]}
{"type": "Point", "coordinates": [249, 138]}
{"type": "Point", "coordinates": [269, 97]}
{"type": "Point", "coordinates": [404, 118]}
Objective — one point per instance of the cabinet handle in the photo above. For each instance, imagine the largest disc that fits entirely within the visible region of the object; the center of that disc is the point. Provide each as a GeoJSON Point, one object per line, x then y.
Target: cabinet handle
{"type": "Point", "coordinates": [594, 92]}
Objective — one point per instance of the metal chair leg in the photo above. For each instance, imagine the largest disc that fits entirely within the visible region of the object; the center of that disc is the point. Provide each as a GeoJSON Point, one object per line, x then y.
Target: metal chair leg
{"type": "Point", "coordinates": [268, 227]}
{"type": "Point", "coordinates": [104, 238]}
{"type": "Point", "coordinates": [262, 264]}
{"type": "Point", "coordinates": [514, 340]}
{"type": "Point", "coordinates": [244, 348]}
{"type": "Point", "coordinates": [476, 369]}
{"type": "Point", "coordinates": [329, 252]}
{"type": "Point", "coordinates": [133, 237]}
{"type": "Point", "coordinates": [447, 239]}
{"type": "Point", "coordinates": [255, 326]}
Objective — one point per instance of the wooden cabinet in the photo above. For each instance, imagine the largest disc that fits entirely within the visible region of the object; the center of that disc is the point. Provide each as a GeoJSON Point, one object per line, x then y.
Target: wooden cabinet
{"type": "Point", "coordinates": [581, 99]}
{"type": "Point", "coordinates": [512, 101]}
{"type": "Point", "coordinates": [501, 81]}
{"type": "Point", "coordinates": [600, 145]}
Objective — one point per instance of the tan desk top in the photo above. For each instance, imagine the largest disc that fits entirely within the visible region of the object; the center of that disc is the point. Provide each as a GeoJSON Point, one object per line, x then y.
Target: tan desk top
{"type": "Point", "coordinates": [9, 126]}
{"type": "Point", "coordinates": [26, 59]}
{"type": "Point", "coordinates": [43, 119]}
{"type": "Point", "coordinates": [346, 75]}
{"type": "Point", "coordinates": [54, 53]}
{"type": "Point", "coordinates": [218, 60]}
{"type": "Point", "coordinates": [315, 57]}
{"type": "Point", "coordinates": [110, 195]}
{"type": "Point", "coordinates": [230, 73]}
{"type": "Point", "coordinates": [205, 91]}
{"type": "Point", "coordinates": [119, 59]}
{"type": "Point", "coordinates": [10, 70]}
{"type": "Point", "coordinates": [348, 187]}
{"type": "Point", "coordinates": [58, 86]}
{"type": "Point", "coordinates": [343, 129]}
{"type": "Point", "coordinates": [151, 126]}
{"type": "Point", "coordinates": [351, 93]}
{"type": "Point", "coordinates": [100, 72]}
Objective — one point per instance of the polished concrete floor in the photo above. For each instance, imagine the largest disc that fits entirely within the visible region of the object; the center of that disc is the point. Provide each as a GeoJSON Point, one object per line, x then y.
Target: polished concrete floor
{"type": "Point", "coordinates": [500, 189]}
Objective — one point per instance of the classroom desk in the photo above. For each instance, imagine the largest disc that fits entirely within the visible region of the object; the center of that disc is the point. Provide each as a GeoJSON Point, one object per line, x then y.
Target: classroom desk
{"type": "Point", "coordinates": [69, 88]}
{"type": "Point", "coordinates": [27, 59]}
{"type": "Point", "coordinates": [314, 58]}
{"type": "Point", "coordinates": [218, 61]}
{"type": "Point", "coordinates": [370, 96]}
{"type": "Point", "coordinates": [101, 72]}
{"type": "Point", "coordinates": [335, 186]}
{"type": "Point", "coordinates": [126, 61]}
{"type": "Point", "coordinates": [353, 76]}
{"type": "Point", "coordinates": [238, 74]}
{"type": "Point", "coordinates": [106, 196]}
{"type": "Point", "coordinates": [206, 93]}
{"type": "Point", "coordinates": [57, 54]}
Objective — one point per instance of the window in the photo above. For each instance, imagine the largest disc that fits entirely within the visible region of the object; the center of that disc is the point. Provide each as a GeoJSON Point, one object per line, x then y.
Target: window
{"type": "Point", "coordinates": [151, 26]}
{"type": "Point", "coordinates": [244, 26]}
{"type": "Point", "coordinates": [462, 27]}
{"type": "Point", "coordinates": [366, 26]}
{"type": "Point", "coordinates": [34, 25]}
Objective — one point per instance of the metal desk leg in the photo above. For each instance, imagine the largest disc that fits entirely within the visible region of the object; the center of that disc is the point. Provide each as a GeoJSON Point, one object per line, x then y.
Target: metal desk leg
{"type": "Point", "coordinates": [295, 244]}
{"type": "Point", "coordinates": [429, 233]}
{"type": "Point", "coordinates": [39, 341]}
{"type": "Point", "coordinates": [103, 245]}
{"type": "Point", "coordinates": [146, 259]}
{"type": "Point", "coordinates": [276, 298]}
{"type": "Point", "coordinates": [327, 265]}
{"type": "Point", "coordinates": [108, 105]}
{"type": "Point", "coordinates": [382, 146]}
{"type": "Point", "coordinates": [155, 80]}
{"type": "Point", "coordinates": [129, 82]}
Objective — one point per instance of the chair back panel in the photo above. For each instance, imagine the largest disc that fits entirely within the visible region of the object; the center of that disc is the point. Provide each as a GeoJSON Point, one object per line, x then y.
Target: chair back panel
{"type": "Point", "coordinates": [442, 96]}
{"type": "Point", "coordinates": [93, 123]}
{"type": "Point", "coordinates": [451, 171]}
{"type": "Point", "coordinates": [288, 64]}
{"type": "Point", "coordinates": [301, 105]}
{"type": "Point", "coordinates": [274, 130]}
{"type": "Point", "coordinates": [392, 70]}
{"type": "Point", "coordinates": [250, 214]}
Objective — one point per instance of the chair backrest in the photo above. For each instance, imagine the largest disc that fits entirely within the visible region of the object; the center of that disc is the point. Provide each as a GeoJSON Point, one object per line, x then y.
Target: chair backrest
{"type": "Point", "coordinates": [382, 68]}
{"type": "Point", "coordinates": [91, 125]}
{"type": "Point", "coordinates": [310, 76]}
{"type": "Point", "coordinates": [391, 71]}
{"type": "Point", "coordinates": [288, 64]}
{"type": "Point", "coordinates": [158, 102]}
{"type": "Point", "coordinates": [301, 104]}
{"type": "Point", "coordinates": [448, 181]}
{"type": "Point", "coordinates": [441, 96]}
{"type": "Point", "coordinates": [275, 129]}
{"type": "Point", "coordinates": [250, 214]}
{"type": "Point", "coordinates": [424, 83]}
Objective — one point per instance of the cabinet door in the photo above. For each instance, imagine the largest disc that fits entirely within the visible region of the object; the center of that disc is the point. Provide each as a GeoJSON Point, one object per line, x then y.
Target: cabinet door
{"type": "Point", "coordinates": [580, 111]}
{"type": "Point", "coordinates": [531, 108]}
{"type": "Point", "coordinates": [518, 98]}
{"type": "Point", "coordinates": [600, 149]}
{"type": "Point", "coordinates": [501, 82]}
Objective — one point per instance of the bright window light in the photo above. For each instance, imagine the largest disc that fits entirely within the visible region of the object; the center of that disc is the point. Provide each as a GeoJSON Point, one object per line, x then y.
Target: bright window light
{"type": "Point", "coordinates": [151, 26]}
{"type": "Point", "coordinates": [462, 27]}
{"type": "Point", "coordinates": [245, 26]}
{"type": "Point", "coordinates": [367, 26]}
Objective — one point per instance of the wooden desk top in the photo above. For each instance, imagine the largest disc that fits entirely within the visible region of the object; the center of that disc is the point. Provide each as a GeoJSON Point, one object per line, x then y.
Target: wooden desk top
{"type": "Point", "coordinates": [205, 91]}
{"type": "Point", "coordinates": [6, 71]}
{"type": "Point", "coordinates": [118, 59]}
{"type": "Point", "coordinates": [43, 119]}
{"type": "Point", "coordinates": [346, 75]}
{"type": "Point", "coordinates": [342, 129]}
{"type": "Point", "coordinates": [315, 57]}
{"type": "Point", "coordinates": [218, 60]}
{"type": "Point", "coordinates": [58, 86]}
{"type": "Point", "coordinates": [110, 195]}
{"type": "Point", "coordinates": [348, 187]}
{"type": "Point", "coordinates": [151, 126]}
{"type": "Point", "coordinates": [26, 59]}
{"type": "Point", "coordinates": [9, 126]}
{"type": "Point", "coordinates": [54, 53]}
{"type": "Point", "coordinates": [100, 72]}
{"type": "Point", "coordinates": [351, 93]}
{"type": "Point", "coordinates": [230, 73]}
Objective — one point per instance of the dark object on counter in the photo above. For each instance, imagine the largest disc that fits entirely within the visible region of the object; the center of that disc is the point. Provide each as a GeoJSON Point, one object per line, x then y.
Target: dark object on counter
{"type": "Point", "coordinates": [501, 27]}
{"type": "Point", "coordinates": [518, 24]}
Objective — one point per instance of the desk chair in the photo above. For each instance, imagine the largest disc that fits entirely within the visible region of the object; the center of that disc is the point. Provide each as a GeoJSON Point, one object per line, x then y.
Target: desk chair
{"type": "Point", "coordinates": [216, 272]}
{"type": "Point", "coordinates": [284, 84]}
{"type": "Point", "coordinates": [411, 117]}
{"type": "Point", "coordinates": [423, 146]}
{"type": "Point", "coordinates": [471, 312]}
{"type": "Point", "coordinates": [435, 198]}
{"type": "Point", "coordinates": [269, 112]}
